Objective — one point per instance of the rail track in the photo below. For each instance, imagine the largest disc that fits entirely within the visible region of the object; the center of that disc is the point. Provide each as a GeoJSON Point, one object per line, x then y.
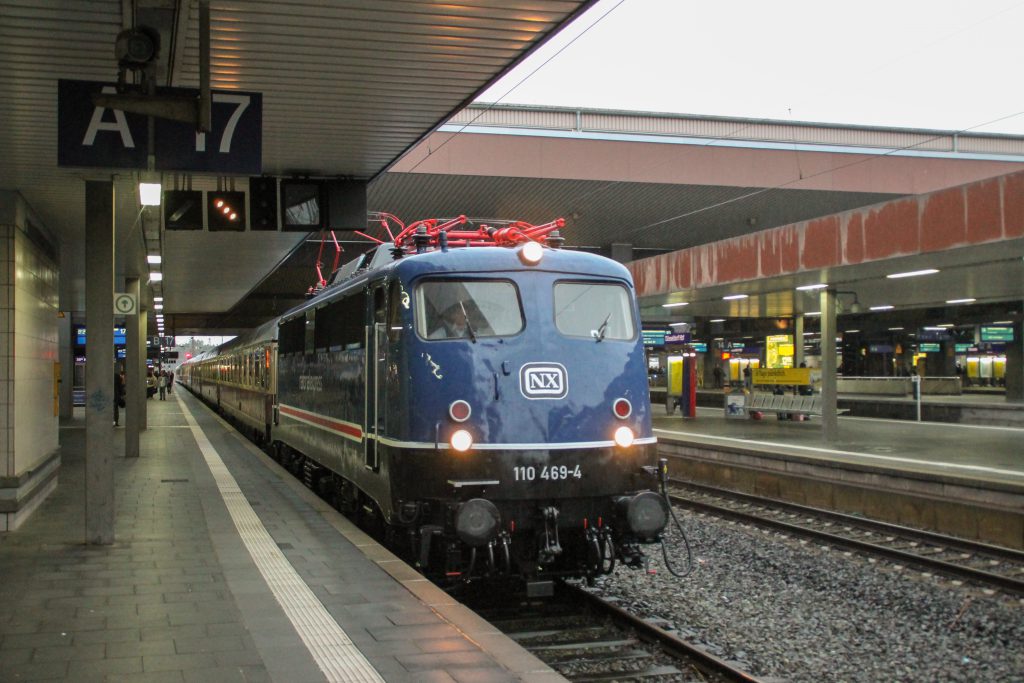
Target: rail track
{"type": "Point", "coordinates": [959, 559]}
{"type": "Point", "coordinates": [586, 638]}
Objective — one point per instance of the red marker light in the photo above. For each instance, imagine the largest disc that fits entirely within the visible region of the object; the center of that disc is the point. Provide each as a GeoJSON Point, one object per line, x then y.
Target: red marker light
{"type": "Point", "coordinates": [622, 408]}
{"type": "Point", "coordinates": [460, 411]}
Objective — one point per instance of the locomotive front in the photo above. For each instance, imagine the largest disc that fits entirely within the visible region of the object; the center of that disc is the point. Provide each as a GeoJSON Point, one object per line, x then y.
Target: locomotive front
{"type": "Point", "coordinates": [518, 429]}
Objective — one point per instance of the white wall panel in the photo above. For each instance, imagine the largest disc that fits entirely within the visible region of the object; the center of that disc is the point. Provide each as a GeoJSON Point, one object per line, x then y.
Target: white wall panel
{"type": "Point", "coordinates": [35, 350]}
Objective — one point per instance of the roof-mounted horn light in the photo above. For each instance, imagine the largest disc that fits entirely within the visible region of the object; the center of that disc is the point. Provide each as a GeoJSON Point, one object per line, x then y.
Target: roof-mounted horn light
{"type": "Point", "coordinates": [531, 253]}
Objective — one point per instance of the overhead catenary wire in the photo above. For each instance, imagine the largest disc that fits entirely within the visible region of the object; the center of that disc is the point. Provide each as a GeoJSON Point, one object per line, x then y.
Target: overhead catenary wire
{"type": "Point", "coordinates": [508, 92]}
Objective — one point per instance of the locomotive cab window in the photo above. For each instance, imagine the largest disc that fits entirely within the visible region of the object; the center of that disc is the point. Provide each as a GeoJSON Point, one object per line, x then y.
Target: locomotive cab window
{"type": "Point", "coordinates": [452, 309]}
{"type": "Point", "coordinates": [594, 309]}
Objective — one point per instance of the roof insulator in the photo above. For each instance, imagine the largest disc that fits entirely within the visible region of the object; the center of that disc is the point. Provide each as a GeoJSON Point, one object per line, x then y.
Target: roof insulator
{"type": "Point", "coordinates": [555, 240]}
{"type": "Point", "coordinates": [422, 239]}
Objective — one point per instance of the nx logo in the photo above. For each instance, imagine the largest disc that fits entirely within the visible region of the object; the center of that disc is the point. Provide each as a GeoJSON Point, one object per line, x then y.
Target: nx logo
{"type": "Point", "coordinates": [543, 380]}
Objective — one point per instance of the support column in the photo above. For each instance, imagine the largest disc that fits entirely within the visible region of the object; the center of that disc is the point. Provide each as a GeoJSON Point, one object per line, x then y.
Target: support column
{"type": "Point", "coordinates": [66, 357]}
{"type": "Point", "coordinates": [798, 340]}
{"type": "Point", "coordinates": [829, 417]}
{"type": "Point", "coordinates": [1015, 365]}
{"type": "Point", "coordinates": [135, 378]}
{"type": "Point", "coordinates": [99, 368]}
{"type": "Point", "coordinates": [622, 252]}
{"type": "Point", "coordinates": [143, 325]}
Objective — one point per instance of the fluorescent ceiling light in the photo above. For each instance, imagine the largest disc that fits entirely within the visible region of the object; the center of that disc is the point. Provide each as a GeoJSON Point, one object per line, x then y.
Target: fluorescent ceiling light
{"type": "Point", "coordinates": [850, 331]}
{"type": "Point", "coordinates": [158, 307]}
{"type": "Point", "coordinates": [149, 194]}
{"type": "Point", "coordinates": [1003, 322]}
{"type": "Point", "coordinates": [807, 288]}
{"type": "Point", "coordinates": [913, 273]}
{"type": "Point", "coordinates": [945, 325]}
{"type": "Point", "coordinates": [933, 329]}
{"type": "Point", "coordinates": [812, 313]}
{"type": "Point", "coordinates": [717, 320]}
{"type": "Point", "coordinates": [677, 324]}
{"type": "Point", "coordinates": [895, 329]}
{"type": "Point", "coordinates": [882, 308]}
{"type": "Point", "coordinates": [676, 305]}
{"type": "Point", "coordinates": [960, 301]}
{"type": "Point", "coordinates": [156, 277]}
{"type": "Point", "coordinates": [154, 258]}
{"type": "Point", "coordinates": [733, 297]}
{"type": "Point", "coordinates": [158, 299]}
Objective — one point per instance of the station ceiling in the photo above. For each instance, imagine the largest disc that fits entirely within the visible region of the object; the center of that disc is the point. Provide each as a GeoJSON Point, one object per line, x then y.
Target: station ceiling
{"type": "Point", "coordinates": [348, 88]}
{"type": "Point", "coordinates": [347, 85]}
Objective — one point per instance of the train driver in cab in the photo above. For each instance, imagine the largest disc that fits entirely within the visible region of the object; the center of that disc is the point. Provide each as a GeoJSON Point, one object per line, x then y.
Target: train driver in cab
{"type": "Point", "coordinates": [453, 324]}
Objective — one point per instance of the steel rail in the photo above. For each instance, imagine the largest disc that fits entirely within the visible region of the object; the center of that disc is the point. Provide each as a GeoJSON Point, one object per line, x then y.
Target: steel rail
{"type": "Point", "coordinates": [952, 542]}
{"type": "Point", "coordinates": [1006, 583]}
{"type": "Point", "coordinates": [669, 643]}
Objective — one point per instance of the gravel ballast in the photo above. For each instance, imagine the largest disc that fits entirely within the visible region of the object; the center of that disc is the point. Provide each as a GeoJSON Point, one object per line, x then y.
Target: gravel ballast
{"type": "Point", "coordinates": [790, 610]}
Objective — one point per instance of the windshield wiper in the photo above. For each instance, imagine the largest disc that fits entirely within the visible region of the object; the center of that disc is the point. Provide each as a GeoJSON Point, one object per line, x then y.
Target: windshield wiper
{"type": "Point", "coordinates": [603, 328]}
{"type": "Point", "coordinates": [469, 325]}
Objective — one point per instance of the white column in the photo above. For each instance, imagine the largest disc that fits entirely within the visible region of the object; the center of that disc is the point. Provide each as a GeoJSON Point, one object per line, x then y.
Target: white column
{"type": "Point", "coordinates": [798, 339]}
{"type": "Point", "coordinates": [67, 366]}
{"type": "Point", "coordinates": [829, 417]}
{"type": "Point", "coordinates": [135, 379]}
{"type": "Point", "coordinates": [99, 367]}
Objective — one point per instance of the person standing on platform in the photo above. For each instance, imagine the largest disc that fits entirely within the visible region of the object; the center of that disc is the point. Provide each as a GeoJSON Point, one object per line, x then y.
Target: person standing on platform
{"type": "Point", "coordinates": [118, 397]}
{"type": "Point", "coordinates": [161, 383]}
{"type": "Point", "coordinates": [170, 382]}
{"type": "Point", "coordinates": [748, 381]}
{"type": "Point", "coordinates": [717, 372]}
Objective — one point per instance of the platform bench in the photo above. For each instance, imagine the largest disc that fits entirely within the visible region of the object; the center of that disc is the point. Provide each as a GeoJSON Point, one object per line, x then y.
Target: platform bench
{"type": "Point", "coordinates": [785, 403]}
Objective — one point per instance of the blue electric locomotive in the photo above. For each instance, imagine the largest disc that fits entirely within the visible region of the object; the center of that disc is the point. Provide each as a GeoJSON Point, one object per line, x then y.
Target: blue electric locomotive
{"type": "Point", "coordinates": [486, 406]}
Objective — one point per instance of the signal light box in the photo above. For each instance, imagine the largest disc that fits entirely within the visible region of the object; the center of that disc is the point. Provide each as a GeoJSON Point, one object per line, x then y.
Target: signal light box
{"type": "Point", "coordinates": [263, 203]}
{"type": "Point", "coordinates": [183, 210]}
{"type": "Point", "coordinates": [225, 211]}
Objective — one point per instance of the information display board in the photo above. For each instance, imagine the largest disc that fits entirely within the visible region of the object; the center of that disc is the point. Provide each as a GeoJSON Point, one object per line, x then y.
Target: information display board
{"type": "Point", "coordinates": [991, 333]}
{"type": "Point", "coordinates": [788, 376]}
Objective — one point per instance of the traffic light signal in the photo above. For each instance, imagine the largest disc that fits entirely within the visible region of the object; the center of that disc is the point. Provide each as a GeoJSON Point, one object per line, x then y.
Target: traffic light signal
{"type": "Point", "coordinates": [263, 203]}
{"type": "Point", "coordinates": [183, 210]}
{"type": "Point", "coordinates": [225, 211]}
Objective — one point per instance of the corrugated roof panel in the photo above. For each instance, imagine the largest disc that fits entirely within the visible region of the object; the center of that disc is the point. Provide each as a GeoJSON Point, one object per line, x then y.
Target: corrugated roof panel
{"type": "Point", "coordinates": [348, 85]}
{"type": "Point", "coordinates": [725, 128]}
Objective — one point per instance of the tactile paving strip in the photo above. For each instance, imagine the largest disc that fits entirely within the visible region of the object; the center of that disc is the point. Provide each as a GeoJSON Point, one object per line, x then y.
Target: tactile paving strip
{"type": "Point", "coordinates": [327, 642]}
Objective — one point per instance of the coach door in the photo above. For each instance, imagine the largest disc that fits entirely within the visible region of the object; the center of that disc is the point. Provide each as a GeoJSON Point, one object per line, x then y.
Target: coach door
{"type": "Point", "coordinates": [376, 348]}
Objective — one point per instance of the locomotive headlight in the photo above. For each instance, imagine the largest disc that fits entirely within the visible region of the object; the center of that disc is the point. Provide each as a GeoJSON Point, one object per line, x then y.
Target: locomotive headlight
{"type": "Point", "coordinates": [462, 440]}
{"type": "Point", "coordinates": [531, 253]}
{"type": "Point", "coordinates": [624, 437]}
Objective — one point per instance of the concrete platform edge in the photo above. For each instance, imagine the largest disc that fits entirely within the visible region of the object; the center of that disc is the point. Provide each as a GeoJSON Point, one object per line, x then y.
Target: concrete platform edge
{"type": "Point", "coordinates": [887, 495]}
{"type": "Point", "coordinates": [490, 640]}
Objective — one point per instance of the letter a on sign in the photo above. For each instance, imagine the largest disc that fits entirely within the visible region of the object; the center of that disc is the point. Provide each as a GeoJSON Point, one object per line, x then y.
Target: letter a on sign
{"type": "Point", "coordinates": [119, 125]}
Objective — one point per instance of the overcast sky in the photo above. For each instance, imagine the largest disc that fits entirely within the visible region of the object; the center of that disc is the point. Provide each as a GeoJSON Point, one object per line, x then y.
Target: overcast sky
{"type": "Point", "coordinates": [937, 64]}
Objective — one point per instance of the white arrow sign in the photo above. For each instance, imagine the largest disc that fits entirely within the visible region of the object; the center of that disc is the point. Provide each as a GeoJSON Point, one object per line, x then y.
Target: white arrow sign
{"type": "Point", "coordinates": [125, 304]}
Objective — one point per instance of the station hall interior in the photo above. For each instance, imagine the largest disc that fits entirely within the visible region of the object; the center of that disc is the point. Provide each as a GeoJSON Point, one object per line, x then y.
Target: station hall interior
{"type": "Point", "coordinates": [888, 261]}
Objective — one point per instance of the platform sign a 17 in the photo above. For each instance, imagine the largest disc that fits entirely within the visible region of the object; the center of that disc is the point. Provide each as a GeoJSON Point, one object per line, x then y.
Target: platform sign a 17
{"type": "Point", "coordinates": [99, 137]}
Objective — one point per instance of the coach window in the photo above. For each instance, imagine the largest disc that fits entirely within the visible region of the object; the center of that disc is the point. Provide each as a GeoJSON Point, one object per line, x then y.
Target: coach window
{"type": "Point", "coordinates": [398, 300]}
{"type": "Point", "coordinates": [354, 317]}
{"type": "Point", "coordinates": [292, 336]}
{"type": "Point", "coordinates": [326, 334]}
{"type": "Point", "coordinates": [310, 345]}
{"type": "Point", "coordinates": [596, 310]}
